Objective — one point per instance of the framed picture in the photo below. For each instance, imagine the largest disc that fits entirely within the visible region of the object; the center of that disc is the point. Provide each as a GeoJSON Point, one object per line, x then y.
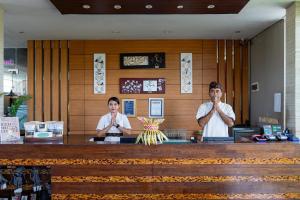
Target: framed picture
{"type": "Point", "coordinates": [99, 73]}
{"type": "Point", "coordinates": [129, 107]}
{"type": "Point", "coordinates": [142, 85]}
{"type": "Point", "coordinates": [142, 60]}
{"type": "Point", "coordinates": [186, 73]}
{"type": "Point", "coordinates": [156, 107]}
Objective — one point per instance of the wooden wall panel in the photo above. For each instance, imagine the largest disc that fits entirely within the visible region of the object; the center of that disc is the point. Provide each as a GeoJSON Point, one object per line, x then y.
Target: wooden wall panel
{"type": "Point", "coordinates": [99, 107]}
{"type": "Point", "coordinates": [47, 80]}
{"type": "Point", "coordinates": [72, 80]}
{"type": "Point", "coordinates": [55, 81]}
{"type": "Point", "coordinates": [245, 85]}
{"type": "Point", "coordinates": [229, 72]}
{"type": "Point", "coordinates": [38, 81]}
{"type": "Point", "coordinates": [123, 46]}
{"type": "Point", "coordinates": [222, 63]}
{"type": "Point", "coordinates": [47, 83]}
{"type": "Point", "coordinates": [113, 61]}
{"type": "Point", "coordinates": [210, 54]}
{"type": "Point", "coordinates": [172, 92]}
{"type": "Point", "coordinates": [237, 82]}
{"type": "Point", "coordinates": [31, 78]}
{"type": "Point", "coordinates": [222, 66]}
{"type": "Point", "coordinates": [113, 76]}
{"type": "Point", "coordinates": [64, 83]}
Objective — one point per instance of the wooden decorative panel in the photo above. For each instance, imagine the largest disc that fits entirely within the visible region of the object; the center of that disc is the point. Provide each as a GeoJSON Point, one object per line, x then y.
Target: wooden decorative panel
{"type": "Point", "coordinates": [196, 171]}
{"type": "Point", "coordinates": [48, 80]}
{"type": "Point", "coordinates": [38, 81]}
{"type": "Point", "coordinates": [31, 77]}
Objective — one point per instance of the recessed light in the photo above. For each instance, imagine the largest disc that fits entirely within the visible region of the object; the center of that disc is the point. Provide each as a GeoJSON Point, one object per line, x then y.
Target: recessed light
{"type": "Point", "coordinates": [117, 7]}
{"type": "Point", "coordinates": [148, 6]}
{"type": "Point", "coordinates": [180, 6]}
{"type": "Point", "coordinates": [86, 6]}
{"type": "Point", "coordinates": [211, 6]}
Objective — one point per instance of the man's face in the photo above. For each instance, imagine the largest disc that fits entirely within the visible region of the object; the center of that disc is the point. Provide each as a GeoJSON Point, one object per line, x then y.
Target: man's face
{"type": "Point", "coordinates": [215, 94]}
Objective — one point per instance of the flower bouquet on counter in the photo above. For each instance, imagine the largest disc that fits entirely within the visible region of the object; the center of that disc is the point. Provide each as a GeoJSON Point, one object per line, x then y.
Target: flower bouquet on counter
{"type": "Point", "coordinates": [151, 134]}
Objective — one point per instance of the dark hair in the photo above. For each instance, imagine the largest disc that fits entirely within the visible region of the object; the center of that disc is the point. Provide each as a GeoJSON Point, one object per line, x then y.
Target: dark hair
{"type": "Point", "coordinates": [113, 99]}
{"type": "Point", "coordinates": [214, 85]}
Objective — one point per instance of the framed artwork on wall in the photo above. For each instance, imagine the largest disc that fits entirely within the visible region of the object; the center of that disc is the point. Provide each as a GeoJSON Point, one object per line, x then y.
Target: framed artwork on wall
{"type": "Point", "coordinates": [99, 73]}
{"type": "Point", "coordinates": [156, 107]}
{"type": "Point", "coordinates": [186, 73]}
{"type": "Point", "coordinates": [142, 85]}
{"type": "Point", "coordinates": [142, 60]}
{"type": "Point", "coordinates": [129, 107]}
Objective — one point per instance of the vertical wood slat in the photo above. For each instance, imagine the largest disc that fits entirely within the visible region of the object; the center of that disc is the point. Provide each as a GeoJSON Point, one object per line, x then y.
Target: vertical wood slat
{"type": "Point", "coordinates": [229, 73]}
{"type": "Point", "coordinates": [221, 66]}
{"type": "Point", "coordinates": [237, 81]}
{"type": "Point", "coordinates": [55, 81]}
{"type": "Point", "coordinates": [245, 84]}
{"type": "Point", "coordinates": [39, 81]}
{"type": "Point", "coordinates": [64, 84]}
{"type": "Point", "coordinates": [47, 80]}
{"type": "Point", "coordinates": [30, 81]}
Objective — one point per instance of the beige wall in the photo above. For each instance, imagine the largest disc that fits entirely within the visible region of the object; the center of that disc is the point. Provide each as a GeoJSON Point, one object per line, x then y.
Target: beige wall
{"type": "Point", "coordinates": [267, 68]}
{"type": "Point", "coordinates": [293, 67]}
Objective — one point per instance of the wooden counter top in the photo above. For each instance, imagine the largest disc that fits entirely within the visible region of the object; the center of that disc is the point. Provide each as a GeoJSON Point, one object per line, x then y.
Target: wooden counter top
{"type": "Point", "coordinates": [195, 171]}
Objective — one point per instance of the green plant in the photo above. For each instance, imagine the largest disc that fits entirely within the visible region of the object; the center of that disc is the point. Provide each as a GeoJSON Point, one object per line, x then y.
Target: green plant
{"type": "Point", "coordinates": [17, 103]}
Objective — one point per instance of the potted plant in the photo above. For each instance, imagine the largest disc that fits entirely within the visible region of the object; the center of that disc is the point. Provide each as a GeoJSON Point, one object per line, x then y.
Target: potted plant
{"type": "Point", "coordinates": [17, 103]}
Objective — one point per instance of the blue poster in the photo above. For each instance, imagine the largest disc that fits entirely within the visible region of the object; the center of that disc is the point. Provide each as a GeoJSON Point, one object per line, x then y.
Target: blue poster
{"type": "Point", "coordinates": [129, 108]}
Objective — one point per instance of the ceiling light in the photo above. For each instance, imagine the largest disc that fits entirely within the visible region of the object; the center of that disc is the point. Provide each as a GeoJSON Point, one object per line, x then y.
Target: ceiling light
{"type": "Point", "coordinates": [115, 32]}
{"type": "Point", "coordinates": [211, 6]}
{"type": "Point", "coordinates": [237, 32]}
{"type": "Point", "coordinates": [148, 6]}
{"type": "Point", "coordinates": [117, 7]}
{"type": "Point", "coordinates": [180, 6]}
{"type": "Point", "coordinates": [86, 6]}
{"type": "Point", "coordinates": [21, 32]}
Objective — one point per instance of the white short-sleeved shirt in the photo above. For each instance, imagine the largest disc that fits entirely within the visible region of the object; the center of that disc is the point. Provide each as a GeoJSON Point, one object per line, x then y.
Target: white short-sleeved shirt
{"type": "Point", "coordinates": [215, 127]}
{"type": "Point", "coordinates": [121, 119]}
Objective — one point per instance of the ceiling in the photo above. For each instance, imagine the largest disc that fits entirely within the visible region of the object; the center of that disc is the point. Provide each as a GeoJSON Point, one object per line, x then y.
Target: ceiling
{"type": "Point", "coordinates": [39, 19]}
{"type": "Point", "coordinates": [149, 6]}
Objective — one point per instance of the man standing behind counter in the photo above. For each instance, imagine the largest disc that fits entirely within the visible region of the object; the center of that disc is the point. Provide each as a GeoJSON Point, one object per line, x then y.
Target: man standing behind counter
{"type": "Point", "coordinates": [214, 117]}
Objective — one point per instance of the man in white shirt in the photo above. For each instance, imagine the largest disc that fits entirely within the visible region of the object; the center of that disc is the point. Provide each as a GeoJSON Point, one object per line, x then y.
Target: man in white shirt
{"type": "Point", "coordinates": [214, 117]}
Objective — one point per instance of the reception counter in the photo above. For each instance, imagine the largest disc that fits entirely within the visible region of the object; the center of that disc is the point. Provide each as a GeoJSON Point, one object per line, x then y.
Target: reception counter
{"type": "Point", "coordinates": [84, 170]}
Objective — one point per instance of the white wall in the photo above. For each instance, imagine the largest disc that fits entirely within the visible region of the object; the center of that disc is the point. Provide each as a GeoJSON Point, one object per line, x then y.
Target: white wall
{"type": "Point", "coordinates": [267, 68]}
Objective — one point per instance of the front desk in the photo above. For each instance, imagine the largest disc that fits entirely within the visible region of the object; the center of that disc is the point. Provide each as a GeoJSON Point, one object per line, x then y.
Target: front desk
{"type": "Point", "coordinates": [84, 170]}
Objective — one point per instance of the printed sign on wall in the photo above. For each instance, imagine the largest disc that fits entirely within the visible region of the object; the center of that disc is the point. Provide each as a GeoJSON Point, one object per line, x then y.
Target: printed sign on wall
{"type": "Point", "coordinates": [186, 73]}
{"type": "Point", "coordinates": [99, 73]}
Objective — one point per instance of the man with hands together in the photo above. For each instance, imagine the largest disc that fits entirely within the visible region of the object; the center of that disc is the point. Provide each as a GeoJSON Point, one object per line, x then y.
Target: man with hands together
{"type": "Point", "coordinates": [214, 117]}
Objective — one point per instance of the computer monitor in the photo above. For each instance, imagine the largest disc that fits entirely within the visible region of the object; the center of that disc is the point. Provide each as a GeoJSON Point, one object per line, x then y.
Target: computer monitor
{"type": "Point", "coordinates": [276, 129]}
{"type": "Point", "coordinates": [267, 129]}
{"type": "Point", "coordinates": [218, 139]}
{"type": "Point", "coordinates": [245, 134]}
